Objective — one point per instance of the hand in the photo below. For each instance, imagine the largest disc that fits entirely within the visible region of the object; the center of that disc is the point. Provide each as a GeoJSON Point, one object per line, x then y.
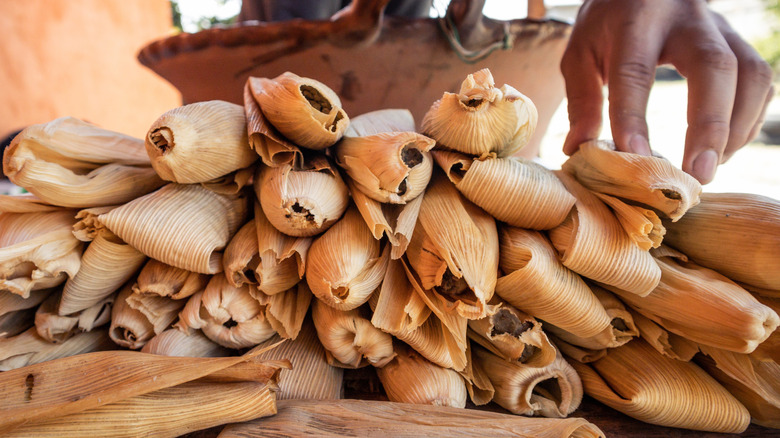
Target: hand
{"type": "Point", "coordinates": [619, 43]}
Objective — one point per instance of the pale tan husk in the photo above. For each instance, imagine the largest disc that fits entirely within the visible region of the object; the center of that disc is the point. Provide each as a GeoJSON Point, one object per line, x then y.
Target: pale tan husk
{"type": "Point", "coordinates": [168, 281]}
{"type": "Point", "coordinates": [29, 348]}
{"type": "Point", "coordinates": [185, 226]}
{"type": "Point", "coordinates": [130, 328]}
{"type": "Point", "coordinates": [161, 312]}
{"type": "Point", "coordinates": [649, 180]}
{"type": "Point", "coordinates": [173, 342]}
{"type": "Point", "coordinates": [24, 203]}
{"type": "Point", "coordinates": [88, 225]}
{"type": "Point", "coordinates": [264, 139]}
{"type": "Point", "coordinates": [282, 258]}
{"type": "Point", "coordinates": [286, 311]}
{"type": "Point", "coordinates": [513, 190]}
{"type": "Point", "coordinates": [642, 225]}
{"type": "Point", "coordinates": [384, 120]}
{"type": "Point", "coordinates": [667, 343]}
{"type": "Point", "coordinates": [72, 163]}
{"type": "Point", "coordinates": [57, 328]}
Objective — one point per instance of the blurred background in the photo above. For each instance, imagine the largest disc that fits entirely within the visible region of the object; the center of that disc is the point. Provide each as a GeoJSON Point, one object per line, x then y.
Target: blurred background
{"type": "Point", "coordinates": [78, 58]}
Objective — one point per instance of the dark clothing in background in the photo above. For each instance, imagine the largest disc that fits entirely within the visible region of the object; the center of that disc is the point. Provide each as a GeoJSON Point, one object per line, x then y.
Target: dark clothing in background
{"type": "Point", "coordinates": [281, 10]}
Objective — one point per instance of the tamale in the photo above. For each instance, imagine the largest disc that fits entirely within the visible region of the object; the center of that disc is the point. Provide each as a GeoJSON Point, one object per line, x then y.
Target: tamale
{"type": "Point", "coordinates": [168, 281]}
{"type": "Point", "coordinates": [57, 328]}
{"type": "Point", "coordinates": [272, 147]}
{"type": "Point", "coordinates": [174, 342]}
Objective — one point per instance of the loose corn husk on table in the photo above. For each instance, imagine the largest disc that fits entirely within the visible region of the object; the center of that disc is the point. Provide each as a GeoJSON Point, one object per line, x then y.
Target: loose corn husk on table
{"type": "Point", "coordinates": [640, 382]}
{"type": "Point", "coordinates": [648, 180]}
{"type": "Point", "coordinates": [536, 282]}
{"type": "Point", "coordinates": [37, 251]}
{"type": "Point", "coordinates": [518, 192]}
{"type": "Point", "coordinates": [71, 163]}
{"type": "Point", "coordinates": [56, 327]}
{"type": "Point", "coordinates": [199, 142]}
{"type": "Point", "coordinates": [168, 281]}
{"type": "Point", "coordinates": [736, 234]}
{"type": "Point", "coordinates": [185, 226]}
{"type": "Point", "coordinates": [481, 119]}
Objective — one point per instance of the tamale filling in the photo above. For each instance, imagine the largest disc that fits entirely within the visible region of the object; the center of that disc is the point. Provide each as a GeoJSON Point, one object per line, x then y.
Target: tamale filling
{"type": "Point", "coordinates": [528, 353]}
{"type": "Point", "coordinates": [505, 321]}
{"type": "Point", "coordinates": [671, 194]}
{"type": "Point", "coordinates": [619, 324]}
{"type": "Point", "coordinates": [452, 285]}
{"type": "Point", "coordinates": [411, 156]}
{"type": "Point", "coordinates": [402, 188]}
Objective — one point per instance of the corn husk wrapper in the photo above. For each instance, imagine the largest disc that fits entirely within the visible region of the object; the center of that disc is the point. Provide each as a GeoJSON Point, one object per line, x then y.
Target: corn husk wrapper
{"type": "Point", "coordinates": [389, 167]}
{"type": "Point", "coordinates": [94, 381]}
{"type": "Point", "coordinates": [304, 110]}
{"type": "Point", "coordinates": [264, 139]}
{"type": "Point", "coordinates": [305, 201]}
{"type": "Point", "coordinates": [575, 352]}
{"type": "Point", "coordinates": [704, 306]}
{"type": "Point", "coordinates": [168, 281]}
{"type": "Point", "coordinates": [642, 225]}
{"type": "Point", "coordinates": [185, 226]}
{"type": "Point", "coordinates": [107, 263]}
{"type": "Point", "coordinates": [15, 322]}
{"type": "Point", "coordinates": [648, 180]}
{"type": "Point", "coordinates": [311, 376]}
{"type": "Point", "coordinates": [229, 316]}
{"type": "Point", "coordinates": [410, 378]}
{"type": "Point", "coordinates": [286, 311]}
{"type": "Point", "coordinates": [37, 251]}
{"type": "Point", "coordinates": [769, 350]}
{"type": "Point", "coordinates": [88, 225]}
{"type": "Point", "coordinates": [516, 191]}
{"type": "Point", "coordinates": [359, 418]}
{"type": "Point", "coordinates": [620, 330]}
{"type": "Point", "coordinates": [513, 336]}
{"type": "Point", "coordinates": [379, 121]}
{"type": "Point", "coordinates": [232, 183]}
{"type": "Point", "coordinates": [130, 328]}
{"type": "Point", "coordinates": [174, 342]}
{"type": "Point", "coordinates": [551, 391]}
{"type": "Point", "coordinates": [539, 284]}
{"type": "Point", "coordinates": [57, 328]}
{"type": "Point", "coordinates": [722, 233]}
{"type": "Point", "coordinates": [11, 302]}
{"type": "Point", "coordinates": [592, 243]}
{"type": "Point", "coordinates": [349, 339]}
{"type": "Point", "coordinates": [478, 384]}
{"type": "Point", "coordinates": [346, 264]}
{"type": "Point", "coordinates": [756, 384]}
{"type": "Point", "coordinates": [24, 203]}
{"type": "Point", "coordinates": [400, 311]}
{"type": "Point", "coordinates": [71, 163]}
{"type": "Point", "coordinates": [161, 312]}
{"type": "Point", "coordinates": [454, 250]}
{"type": "Point", "coordinates": [199, 142]}
{"type": "Point", "coordinates": [29, 348]}
{"type": "Point", "coordinates": [641, 383]}
{"type": "Point", "coordinates": [396, 221]}
{"type": "Point", "coordinates": [668, 344]}
{"type": "Point", "coordinates": [481, 119]}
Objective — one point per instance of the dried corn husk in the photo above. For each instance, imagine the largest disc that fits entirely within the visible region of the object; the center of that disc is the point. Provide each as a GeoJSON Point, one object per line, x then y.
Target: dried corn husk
{"type": "Point", "coordinates": [754, 383]}
{"type": "Point", "coordinates": [575, 352]}
{"type": "Point", "coordinates": [168, 281]}
{"type": "Point", "coordinates": [302, 202]}
{"type": "Point", "coordinates": [454, 250]}
{"type": "Point", "coordinates": [704, 306]}
{"type": "Point", "coordinates": [29, 348]}
{"type": "Point", "coordinates": [648, 180]}
{"type": "Point", "coordinates": [282, 258]}
{"type": "Point", "coordinates": [769, 350]}
{"type": "Point", "coordinates": [592, 243]}
{"type": "Point", "coordinates": [174, 342]}
{"type": "Point", "coordinates": [241, 256]}
{"type": "Point", "coordinates": [273, 148]}
{"type": "Point", "coordinates": [513, 336]}
{"type": "Point", "coordinates": [286, 311]}
{"type": "Point", "coordinates": [161, 312]}
{"type": "Point", "coordinates": [81, 383]}
{"type": "Point", "coordinates": [349, 339]}
{"type": "Point", "coordinates": [304, 110]}
{"type": "Point", "coordinates": [401, 311]}
{"type": "Point", "coordinates": [539, 284]}
{"type": "Point", "coordinates": [72, 163]}
{"type": "Point", "coordinates": [478, 384]}
{"type": "Point", "coordinates": [481, 119]}
{"type": "Point", "coordinates": [185, 226]}
{"type": "Point", "coordinates": [639, 382]}
{"type": "Point", "coordinates": [346, 264]}
{"type": "Point", "coordinates": [24, 203]}
{"type": "Point", "coordinates": [642, 225]}
{"type": "Point", "coordinates": [620, 330]}
{"type": "Point", "coordinates": [669, 344]}
{"type": "Point", "coordinates": [389, 167]}
{"type": "Point", "coordinates": [311, 377]}
{"type": "Point", "coordinates": [199, 142]}
{"type": "Point", "coordinates": [379, 121]}
{"type": "Point", "coordinates": [228, 315]}
{"type": "Point", "coordinates": [551, 391]}
{"type": "Point", "coordinates": [15, 322]}
{"type": "Point", "coordinates": [410, 378]}
{"type": "Point", "coordinates": [359, 418]}
{"type": "Point", "coordinates": [513, 190]}
{"type": "Point", "coordinates": [37, 251]}
{"type": "Point", "coordinates": [88, 225]}
{"type": "Point", "coordinates": [232, 183]}
{"type": "Point", "coordinates": [130, 328]}
{"type": "Point", "coordinates": [722, 233]}
{"type": "Point", "coordinates": [107, 263]}
{"type": "Point", "coordinates": [56, 328]}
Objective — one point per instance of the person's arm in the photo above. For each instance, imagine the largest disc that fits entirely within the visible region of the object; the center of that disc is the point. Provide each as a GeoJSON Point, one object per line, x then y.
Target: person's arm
{"type": "Point", "coordinates": [619, 43]}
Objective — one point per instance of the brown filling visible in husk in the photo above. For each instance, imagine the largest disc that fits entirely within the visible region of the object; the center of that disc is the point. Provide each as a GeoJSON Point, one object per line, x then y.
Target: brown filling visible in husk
{"type": "Point", "coordinates": [528, 353]}
{"type": "Point", "coordinates": [411, 156]}
{"type": "Point", "coordinates": [619, 324]}
{"type": "Point", "coordinates": [402, 188]}
{"type": "Point", "coordinates": [452, 285]}
{"type": "Point", "coordinates": [320, 103]}
{"type": "Point", "coordinates": [671, 194]}
{"type": "Point", "coordinates": [505, 321]}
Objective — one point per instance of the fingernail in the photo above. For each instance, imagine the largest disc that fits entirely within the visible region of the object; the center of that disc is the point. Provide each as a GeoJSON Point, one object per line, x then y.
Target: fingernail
{"type": "Point", "coordinates": [704, 166]}
{"type": "Point", "coordinates": [639, 145]}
